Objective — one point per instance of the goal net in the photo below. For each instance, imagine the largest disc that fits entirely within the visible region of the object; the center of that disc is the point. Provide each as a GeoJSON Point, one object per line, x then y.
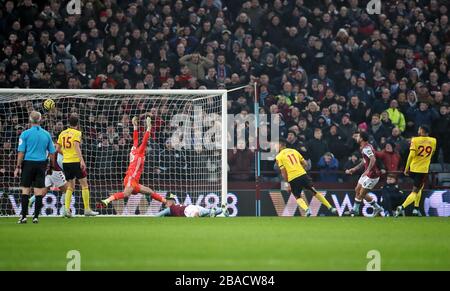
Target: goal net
{"type": "Point", "coordinates": [186, 153]}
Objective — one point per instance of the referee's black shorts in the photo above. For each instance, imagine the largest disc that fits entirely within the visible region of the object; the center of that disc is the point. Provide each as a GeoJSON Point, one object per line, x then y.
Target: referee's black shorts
{"type": "Point", "coordinates": [297, 185]}
{"type": "Point", "coordinates": [419, 179]}
{"type": "Point", "coordinates": [73, 170]}
{"type": "Point", "coordinates": [33, 174]}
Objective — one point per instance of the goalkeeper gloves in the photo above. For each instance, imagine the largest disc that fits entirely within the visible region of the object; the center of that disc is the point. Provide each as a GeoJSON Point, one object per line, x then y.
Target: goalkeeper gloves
{"type": "Point", "coordinates": [149, 123]}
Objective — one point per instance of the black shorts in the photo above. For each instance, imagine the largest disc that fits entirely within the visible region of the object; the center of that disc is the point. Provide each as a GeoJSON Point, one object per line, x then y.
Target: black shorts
{"type": "Point", "coordinates": [73, 170]}
{"type": "Point", "coordinates": [419, 179]}
{"type": "Point", "coordinates": [299, 183]}
{"type": "Point", "coordinates": [33, 174]}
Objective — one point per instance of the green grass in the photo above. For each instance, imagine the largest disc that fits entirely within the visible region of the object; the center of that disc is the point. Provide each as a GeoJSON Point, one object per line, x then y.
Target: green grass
{"type": "Point", "coordinates": [245, 243]}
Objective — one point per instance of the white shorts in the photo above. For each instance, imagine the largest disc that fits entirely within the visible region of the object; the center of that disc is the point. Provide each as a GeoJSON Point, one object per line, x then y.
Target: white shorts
{"type": "Point", "coordinates": [368, 183]}
{"type": "Point", "coordinates": [192, 211]}
{"type": "Point", "coordinates": [56, 179]}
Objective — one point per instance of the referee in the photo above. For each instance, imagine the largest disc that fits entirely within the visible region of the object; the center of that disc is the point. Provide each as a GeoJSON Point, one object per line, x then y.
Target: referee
{"type": "Point", "coordinates": [34, 146]}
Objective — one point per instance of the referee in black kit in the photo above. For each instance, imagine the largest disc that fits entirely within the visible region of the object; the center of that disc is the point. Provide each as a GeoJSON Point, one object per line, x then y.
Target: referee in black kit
{"type": "Point", "coordinates": [35, 144]}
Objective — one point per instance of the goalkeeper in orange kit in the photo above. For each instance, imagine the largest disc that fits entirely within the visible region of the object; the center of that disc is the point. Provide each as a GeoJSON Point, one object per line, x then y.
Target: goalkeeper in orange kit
{"type": "Point", "coordinates": [136, 167]}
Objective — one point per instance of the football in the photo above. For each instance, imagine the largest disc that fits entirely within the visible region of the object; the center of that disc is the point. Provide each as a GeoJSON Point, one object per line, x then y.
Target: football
{"type": "Point", "coordinates": [49, 104]}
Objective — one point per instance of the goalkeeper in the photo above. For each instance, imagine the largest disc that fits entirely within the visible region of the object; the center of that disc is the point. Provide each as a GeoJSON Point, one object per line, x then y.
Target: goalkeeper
{"type": "Point", "coordinates": [173, 209]}
{"type": "Point", "coordinates": [137, 159]}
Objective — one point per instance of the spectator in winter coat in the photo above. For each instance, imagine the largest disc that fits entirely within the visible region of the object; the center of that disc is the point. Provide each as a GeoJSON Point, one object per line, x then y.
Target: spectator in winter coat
{"type": "Point", "coordinates": [328, 165]}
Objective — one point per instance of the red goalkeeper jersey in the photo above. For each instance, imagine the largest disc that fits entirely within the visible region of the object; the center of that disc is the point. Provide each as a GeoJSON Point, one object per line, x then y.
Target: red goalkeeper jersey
{"type": "Point", "coordinates": [137, 156]}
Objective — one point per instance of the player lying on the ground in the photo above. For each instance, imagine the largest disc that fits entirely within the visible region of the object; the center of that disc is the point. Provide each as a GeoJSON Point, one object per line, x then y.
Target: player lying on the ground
{"type": "Point", "coordinates": [174, 209]}
{"type": "Point", "coordinates": [369, 178]}
{"type": "Point", "coordinates": [292, 166]}
{"type": "Point", "coordinates": [420, 153]}
{"type": "Point", "coordinates": [54, 178]}
{"type": "Point", "coordinates": [136, 167]}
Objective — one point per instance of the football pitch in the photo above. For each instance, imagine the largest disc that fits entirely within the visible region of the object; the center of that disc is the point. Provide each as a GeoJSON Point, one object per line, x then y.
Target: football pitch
{"type": "Point", "coordinates": [242, 243]}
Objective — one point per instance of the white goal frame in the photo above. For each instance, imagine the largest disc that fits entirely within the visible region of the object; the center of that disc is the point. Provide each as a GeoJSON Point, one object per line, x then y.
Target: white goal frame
{"type": "Point", "coordinates": [169, 92]}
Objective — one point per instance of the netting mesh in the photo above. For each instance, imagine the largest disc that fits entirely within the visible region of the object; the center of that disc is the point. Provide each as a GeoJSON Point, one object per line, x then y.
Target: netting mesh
{"type": "Point", "coordinates": [183, 154]}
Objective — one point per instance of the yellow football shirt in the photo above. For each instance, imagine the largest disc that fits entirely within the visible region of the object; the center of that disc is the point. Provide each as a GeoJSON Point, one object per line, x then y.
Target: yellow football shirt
{"type": "Point", "coordinates": [290, 159]}
{"type": "Point", "coordinates": [67, 140]}
{"type": "Point", "coordinates": [424, 148]}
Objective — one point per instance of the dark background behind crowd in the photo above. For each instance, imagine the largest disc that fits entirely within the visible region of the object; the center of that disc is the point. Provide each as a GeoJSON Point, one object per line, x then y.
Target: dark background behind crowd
{"type": "Point", "coordinates": [326, 69]}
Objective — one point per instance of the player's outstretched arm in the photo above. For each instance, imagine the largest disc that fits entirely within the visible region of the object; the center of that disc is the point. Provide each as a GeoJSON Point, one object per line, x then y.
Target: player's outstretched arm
{"type": "Point", "coordinates": [135, 122]}
{"type": "Point", "coordinates": [162, 213]}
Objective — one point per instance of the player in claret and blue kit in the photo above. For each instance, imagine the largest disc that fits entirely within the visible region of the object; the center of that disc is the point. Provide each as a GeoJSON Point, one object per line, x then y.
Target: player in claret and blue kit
{"type": "Point", "coordinates": [174, 209]}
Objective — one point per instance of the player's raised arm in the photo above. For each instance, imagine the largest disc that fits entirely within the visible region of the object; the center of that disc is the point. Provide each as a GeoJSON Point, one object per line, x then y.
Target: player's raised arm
{"type": "Point", "coordinates": [135, 121]}
{"type": "Point", "coordinates": [147, 134]}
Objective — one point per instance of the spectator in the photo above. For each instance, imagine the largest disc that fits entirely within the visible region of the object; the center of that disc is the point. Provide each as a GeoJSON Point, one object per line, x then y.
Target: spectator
{"type": "Point", "coordinates": [396, 116]}
{"type": "Point", "coordinates": [352, 161]}
{"type": "Point", "coordinates": [377, 129]}
{"type": "Point", "coordinates": [357, 110]}
{"type": "Point", "coordinates": [424, 115]}
{"type": "Point", "coordinates": [240, 161]}
{"type": "Point", "coordinates": [382, 104]}
{"type": "Point", "coordinates": [316, 147]}
{"type": "Point", "coordinates": [328, 166]}
{"type": "Point", "coordinates": [389, 157]}
{"type": "Point", "coordinates": [387, 123]}
{"type": "Point", "coordinates": [294, 143]}
{"type": "Point", "coordinates": [441, 131]}
{"type": "Point", "coordinates": [337, 143]}
{"type": "Point", "coordinates": [196, 64]}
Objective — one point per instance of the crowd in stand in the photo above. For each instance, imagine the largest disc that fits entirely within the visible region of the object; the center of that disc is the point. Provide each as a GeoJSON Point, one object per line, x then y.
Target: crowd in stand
{"type": "Point", "coordinates": [326, 68]}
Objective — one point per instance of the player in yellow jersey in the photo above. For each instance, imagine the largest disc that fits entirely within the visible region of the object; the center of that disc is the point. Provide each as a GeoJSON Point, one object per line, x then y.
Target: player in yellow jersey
{"type": "Point", "coordinates": [292, 166]}
{"type": "Point", "coordinates": [74, 166]}
{"type": "Point", "coordinates": [420, 153]}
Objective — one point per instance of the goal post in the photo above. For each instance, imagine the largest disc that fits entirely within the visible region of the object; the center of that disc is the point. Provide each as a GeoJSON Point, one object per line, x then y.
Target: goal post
{"type": "Point", "coordinates": [186, 153]}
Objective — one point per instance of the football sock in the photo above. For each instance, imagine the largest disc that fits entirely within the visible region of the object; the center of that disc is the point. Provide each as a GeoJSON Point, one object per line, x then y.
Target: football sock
{"type": "Point", "coordinates": [374, 204]}
{"type": "Point", "coordinates": [32, 199]}
{"type": "Point", "coordinates": [116, 196]}
{"type": "Point", "coordinates": [302, 204]}
{"type": "Point", "coordinates": [68, 199]}
{"type": "Point", "coordinates": [85, 194]}
{"type": "Point", "coordinates": [25, 199]}
{"type": "Point", "coordinates": [418, 196]}
{"type": "Point", "coordinates": [324, 201]}
{"type": "Point", "coordinates": [156, 196]}
{"type": "Point", "coordinates": [410, 199]}
{"type": "Point", "coordinates": [37, 206]}
{"type": "Point", "coordinates": [356, 206]}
